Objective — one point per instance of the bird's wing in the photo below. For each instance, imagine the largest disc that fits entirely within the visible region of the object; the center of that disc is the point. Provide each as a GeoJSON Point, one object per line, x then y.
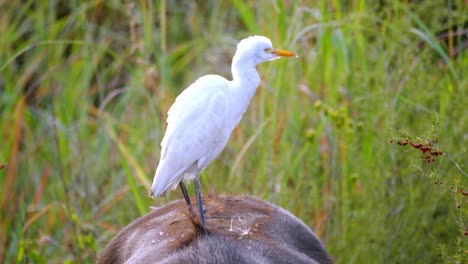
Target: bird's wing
{"type": "Point", "coordinates": [202, 106]}
{"type": "Point", "coordinates": [197, 130]}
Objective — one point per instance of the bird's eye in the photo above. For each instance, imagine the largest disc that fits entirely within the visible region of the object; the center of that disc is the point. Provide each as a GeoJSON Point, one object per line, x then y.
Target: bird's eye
{"type": "Point", "coordinates": [267, 50]}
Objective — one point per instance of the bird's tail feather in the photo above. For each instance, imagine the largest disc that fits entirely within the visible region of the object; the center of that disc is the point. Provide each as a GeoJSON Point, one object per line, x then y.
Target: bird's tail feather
{"type": "Point", "coordinates": [165, 179]}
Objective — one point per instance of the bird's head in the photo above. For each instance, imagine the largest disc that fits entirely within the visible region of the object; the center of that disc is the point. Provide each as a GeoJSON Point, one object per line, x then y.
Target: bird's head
{"type": "Point", "coordinates": [258, 49]}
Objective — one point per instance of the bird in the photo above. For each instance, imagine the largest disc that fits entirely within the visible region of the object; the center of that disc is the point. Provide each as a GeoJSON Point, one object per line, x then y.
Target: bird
{"type": "Point", "coordinates": [202, 118]}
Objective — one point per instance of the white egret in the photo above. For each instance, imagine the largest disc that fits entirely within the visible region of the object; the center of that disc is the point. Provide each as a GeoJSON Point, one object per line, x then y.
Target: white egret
{"type": "Point", "coordinates": [203, 116]}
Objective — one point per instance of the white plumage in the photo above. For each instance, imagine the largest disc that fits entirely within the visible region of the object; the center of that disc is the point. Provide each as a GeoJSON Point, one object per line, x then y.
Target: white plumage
{"type": "Point", "coordinates": [199, 126]}
{"type": "Point", "coordinates": [204, 115]}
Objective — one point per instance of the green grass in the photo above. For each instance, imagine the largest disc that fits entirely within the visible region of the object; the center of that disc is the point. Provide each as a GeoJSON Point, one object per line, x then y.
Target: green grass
{"type": "Point", "coordinates": [84, 88]}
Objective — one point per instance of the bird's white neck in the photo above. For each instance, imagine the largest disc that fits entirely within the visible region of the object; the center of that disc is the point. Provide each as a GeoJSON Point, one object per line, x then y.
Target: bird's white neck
{"type": "Point", "coordinates": [245, 77]}
{"type": "Point", "coordinates": [245, 80]}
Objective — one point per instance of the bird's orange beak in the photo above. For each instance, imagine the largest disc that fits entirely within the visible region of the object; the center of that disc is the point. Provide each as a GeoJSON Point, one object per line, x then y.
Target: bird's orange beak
{"type": "Point", "coordinates": [284, 53]}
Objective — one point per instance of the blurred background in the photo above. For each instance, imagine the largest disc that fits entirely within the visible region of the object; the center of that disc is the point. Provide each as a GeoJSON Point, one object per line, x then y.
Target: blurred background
{"type": "Point", "coordinates": [364, 137]}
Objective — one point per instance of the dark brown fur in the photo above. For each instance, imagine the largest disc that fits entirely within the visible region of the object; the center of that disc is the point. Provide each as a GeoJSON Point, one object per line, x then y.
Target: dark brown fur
{"type": "Point", "coordinates": [239, 229]}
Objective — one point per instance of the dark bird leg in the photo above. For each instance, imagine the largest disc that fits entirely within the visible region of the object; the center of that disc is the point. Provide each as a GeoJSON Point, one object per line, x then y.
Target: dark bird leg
{"type": "Point", "coordinates": [199, 200]}
{"type": "Point", "coordinates": [187, 198]}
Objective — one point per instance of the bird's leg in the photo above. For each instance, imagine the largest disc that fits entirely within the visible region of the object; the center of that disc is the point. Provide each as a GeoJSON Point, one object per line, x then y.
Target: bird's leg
{"type": "Point", "coordinates": [199, 200]}
{"type": "Point", "coordinates": [187, 198]}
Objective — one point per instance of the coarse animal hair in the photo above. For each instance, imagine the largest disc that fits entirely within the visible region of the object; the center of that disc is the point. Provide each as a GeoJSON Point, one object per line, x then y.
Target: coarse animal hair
{"type": "Point", "coordinates": [239, 229]}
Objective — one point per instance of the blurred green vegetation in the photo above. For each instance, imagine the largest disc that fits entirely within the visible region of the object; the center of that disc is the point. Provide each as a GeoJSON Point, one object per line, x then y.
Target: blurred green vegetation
{"type": "Point", "coordinates": [85, 85]}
